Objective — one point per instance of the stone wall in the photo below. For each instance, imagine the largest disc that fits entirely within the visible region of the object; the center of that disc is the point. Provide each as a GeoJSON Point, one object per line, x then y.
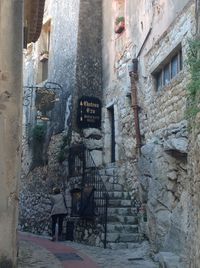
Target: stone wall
{"type": "Point", "coordinates": [11, 21]}
{"type": "Point", "coordinates": [118, 50]}
{"type": "Point", "coordinates": [153, 31]}
{"type": "Point", "coordinates": [36, 187]}
{"type": "Point", "coordinates": [61, 69]}
{"type": "Point", "coordinates": [75, 63]}
{"type": "Point", "coordinates": [35, 190]}
{"type": "Point", "coordinates": [164, 108]}
{"type": "Point", "coordinates": [193, 221]}
{"type": "Point", "coordinates": [88, 61]}
{"type": "Point", "coordinates": [89, 233]}
{"type": "Point", "coordinates": [193, 174]}
{"type": "Point", "coordinates": [164, 156]}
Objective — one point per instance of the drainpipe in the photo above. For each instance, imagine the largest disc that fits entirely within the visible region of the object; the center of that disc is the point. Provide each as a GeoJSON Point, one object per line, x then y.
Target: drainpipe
{"type": "Point", "coordinates": [134, 78]}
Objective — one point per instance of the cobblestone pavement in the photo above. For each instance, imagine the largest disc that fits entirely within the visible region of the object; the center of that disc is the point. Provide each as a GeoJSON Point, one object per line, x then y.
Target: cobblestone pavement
{"type": "Point", "coordinates": [34, 256]}
{"type": "Point", "coordinates": [37, 252]}
{"type": "Point", "coordinates": [137, 257]}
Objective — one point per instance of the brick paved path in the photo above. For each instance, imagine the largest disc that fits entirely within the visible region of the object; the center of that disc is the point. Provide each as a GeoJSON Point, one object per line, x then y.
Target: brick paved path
{"type": "Point", "coordinates": [40, 252]}
{"type": "Point", "coordinates": [37, 252]}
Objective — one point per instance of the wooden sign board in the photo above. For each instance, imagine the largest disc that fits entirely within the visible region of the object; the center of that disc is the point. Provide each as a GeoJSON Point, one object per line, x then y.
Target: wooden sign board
{"type": "Point", "coordinates": [89, 112]}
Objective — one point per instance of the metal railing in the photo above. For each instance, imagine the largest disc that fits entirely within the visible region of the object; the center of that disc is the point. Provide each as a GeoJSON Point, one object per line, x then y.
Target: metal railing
{"type": "Point", "coordinates": [94, 196]}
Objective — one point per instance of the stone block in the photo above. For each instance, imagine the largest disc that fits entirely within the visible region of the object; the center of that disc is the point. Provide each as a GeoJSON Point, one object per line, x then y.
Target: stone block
{"type": "Point", "coordinates": [93, 144]}
{"type": "Point", "coordinates": [110, 171]}
{"type": "Point", "coordinates": [117, 245]}
{"type": "Point", "coordinates": [129, 238]}
{"type": "Point", "coordinates": [92, 133]}
{"type": "Point", "coordinates": [97, 157]}
{"type": "Point", "coordinates": [172, 175]}
{"type": "Point", "coordinates": [177, 144]}
{"type": "Point", "coordinates": [169, 260]}
{"type": "Point", "coordinates": [113, 237]}
{"type": "Point", "coordinates": [125, 203]}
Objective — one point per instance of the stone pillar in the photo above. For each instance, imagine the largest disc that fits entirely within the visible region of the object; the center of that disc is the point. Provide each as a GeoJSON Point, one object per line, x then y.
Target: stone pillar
{"type": "Point", "coordinates": [11, 16]}
{"type": "Point", "coordinates": [89, 54]}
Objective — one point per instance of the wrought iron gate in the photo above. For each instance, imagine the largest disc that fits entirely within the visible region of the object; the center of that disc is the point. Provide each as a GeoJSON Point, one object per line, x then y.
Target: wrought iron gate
{"type": "Point", "coordinates": [89, 194]}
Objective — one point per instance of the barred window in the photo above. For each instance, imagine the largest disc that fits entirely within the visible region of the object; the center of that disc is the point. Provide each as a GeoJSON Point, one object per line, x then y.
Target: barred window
{"type": "Point", "coordinates": [168, 69]}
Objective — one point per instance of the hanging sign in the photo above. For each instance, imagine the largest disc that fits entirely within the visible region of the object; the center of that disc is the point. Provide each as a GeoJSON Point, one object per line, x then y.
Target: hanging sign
{"type": "Point", "coordinates": [89, 112]}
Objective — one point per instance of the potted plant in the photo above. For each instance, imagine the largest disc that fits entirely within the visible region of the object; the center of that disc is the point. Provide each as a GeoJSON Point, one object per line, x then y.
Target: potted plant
{"type": "Point", "coordinates": [119, 25]}
{"type": "Point", "coordinates": [44, 100]}
{"type": "Point", "coordinates": [44, 55]}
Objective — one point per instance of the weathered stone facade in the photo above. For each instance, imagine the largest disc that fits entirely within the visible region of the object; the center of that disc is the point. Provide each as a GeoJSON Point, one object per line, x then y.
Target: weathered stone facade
{"type": "Point", "coordinates": [10, 121]}
{"type": "Point", "coordinates": [62, 50]}
{"type": "Point", "coordinates": [193, 184]}
{"type": "Point", "coordinates": [193, 204]}
{"type": "Point", "coordinates": [88, 61]}
{"type": "Point", "coordinates": [11, 25]}
{"type": "Point", "coordinates": [166, 138]}
{"type": "Point", "coordinates": [74, 63]}
{"type": "Point", "coordinates": [153, 31]}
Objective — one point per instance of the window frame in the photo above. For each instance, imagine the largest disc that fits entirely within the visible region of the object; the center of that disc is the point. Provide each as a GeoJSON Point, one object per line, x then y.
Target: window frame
{"type": "Point", "coordinates": [160, 70]}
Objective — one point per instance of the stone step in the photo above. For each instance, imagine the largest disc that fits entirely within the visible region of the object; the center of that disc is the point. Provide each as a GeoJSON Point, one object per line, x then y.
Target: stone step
{"type": "Point", "coordinates": [122, 219]}
{"type": "Point", "coordinates": [114, 204]}
{"type": "Point", "coordinates": [169, 260]}
{"type": "Point", "coordinates": [123, 237]}
{"type": "Point", "coordinates": [114, 187]}
{"type": "Point", "coordinates": [119, 195]}
{"type": "Point", "coordinates": [123, 245]}
{"type": "Point", "coordinates": [122, 211]}
{"type": "Point", "coordinates": [119, 203]}
{"type": "Point", "coordinates": [122, 228]}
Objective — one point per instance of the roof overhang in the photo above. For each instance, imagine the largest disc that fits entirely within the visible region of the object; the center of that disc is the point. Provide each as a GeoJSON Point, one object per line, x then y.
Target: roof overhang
{"type": "Point", "coordinates": [33, 18]}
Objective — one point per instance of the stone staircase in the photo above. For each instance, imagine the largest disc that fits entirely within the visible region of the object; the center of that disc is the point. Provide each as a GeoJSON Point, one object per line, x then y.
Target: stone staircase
{"type": "Point", "coordinates": [122, 225]}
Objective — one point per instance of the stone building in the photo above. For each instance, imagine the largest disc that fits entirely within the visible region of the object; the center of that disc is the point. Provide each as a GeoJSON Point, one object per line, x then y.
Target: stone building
{"type": "Point", "coordinates": [156, 34]}
{"type": "Point", "coordinates": [66, 62]}
{"type": "Point", "coordinates": [10, 114]}
{"type": "Point", "coordinates": [131, 56]}
{"type": "Point", "coordinates": [11, 29]}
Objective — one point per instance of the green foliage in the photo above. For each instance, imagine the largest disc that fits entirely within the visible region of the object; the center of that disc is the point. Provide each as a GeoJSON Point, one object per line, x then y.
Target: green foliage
{"type": "Point", "coordinates": [61, 156]}
{"type": "Point", "coordinates": [193, 62]}
{"type": "Point", "coordinates": [38, 138]}
{"type": "Point", "coordinates": [44, 100]}
{"type": "Point", "coordinates": [119, 19]}
{"type": "Point", "coordinates": [65, 142]}
{"type": "Point", "coordinates": [39, 133]}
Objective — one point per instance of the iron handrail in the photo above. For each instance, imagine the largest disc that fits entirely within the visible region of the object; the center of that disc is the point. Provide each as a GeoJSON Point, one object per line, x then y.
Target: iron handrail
{"type": "Point", "coordinates": [82, 165]}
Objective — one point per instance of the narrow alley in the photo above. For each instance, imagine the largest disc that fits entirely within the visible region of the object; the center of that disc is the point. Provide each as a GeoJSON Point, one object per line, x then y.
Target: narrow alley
{"type": "Point", "coordinates": [99, 133]}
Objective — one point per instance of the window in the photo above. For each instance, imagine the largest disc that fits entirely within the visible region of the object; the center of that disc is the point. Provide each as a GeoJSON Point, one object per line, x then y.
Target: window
{"type": "Point", "coordinates": [45, 37]}
{"type": "Point", "coordinates": [42, 72]}
{"type": "Point", "coordinates": [166, 73]}
{"type": "Point", "coordinates": [168, 69]}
